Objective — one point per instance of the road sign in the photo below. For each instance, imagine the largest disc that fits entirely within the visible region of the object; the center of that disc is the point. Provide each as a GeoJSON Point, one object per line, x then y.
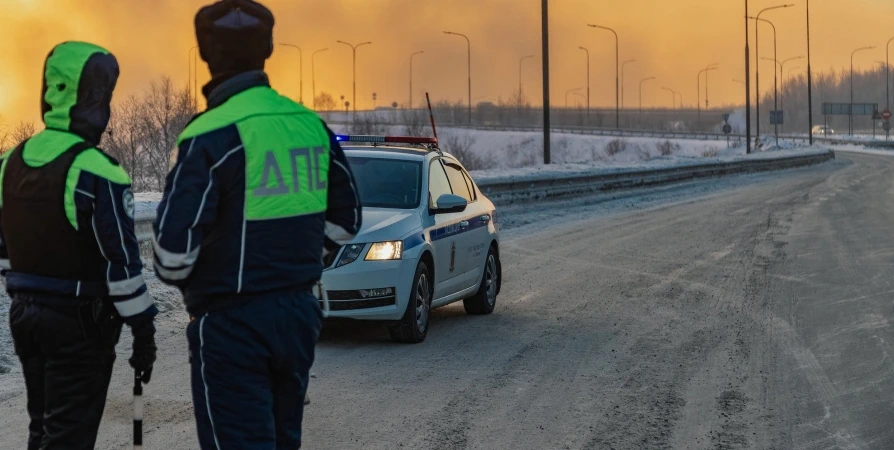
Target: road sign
{"type": "Point", "coordinates": [727, 128]}
{"type": "Point", "coordinates": [776, 118]}
{"type": "Point", "coordinates": [876, 115]}
{"type": "Point", "coordinates": [844, 109]}
{"type": "Point", "coordinates": [886, 114]}
{"type": "Point", "coordinates": [726, 117]}
{"type": "Point", "coordinates": [886, 126]}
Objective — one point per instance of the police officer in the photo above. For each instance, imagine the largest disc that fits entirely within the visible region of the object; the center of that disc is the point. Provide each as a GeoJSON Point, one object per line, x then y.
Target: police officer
{"type": "Point", "coordinates": [259, 192]}
{"type": "Point", "coordinates": [69, 253]}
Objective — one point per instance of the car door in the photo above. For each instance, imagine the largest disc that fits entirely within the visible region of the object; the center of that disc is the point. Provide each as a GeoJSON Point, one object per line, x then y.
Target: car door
{"type": "Point", "coordinates": [472, 240]}
{"type": "Point", "coordinates": [444, 234]}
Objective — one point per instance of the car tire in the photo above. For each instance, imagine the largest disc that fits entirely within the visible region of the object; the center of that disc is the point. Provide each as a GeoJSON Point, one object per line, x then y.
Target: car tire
{"type": "Point", "coordinates": [413, 326]}
{"type": "Point", "coordinates": [484, 301]}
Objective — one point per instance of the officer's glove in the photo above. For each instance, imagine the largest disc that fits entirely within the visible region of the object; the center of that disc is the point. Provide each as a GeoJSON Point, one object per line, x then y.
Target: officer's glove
{"type": "Point", "coordinates": [143, 356]}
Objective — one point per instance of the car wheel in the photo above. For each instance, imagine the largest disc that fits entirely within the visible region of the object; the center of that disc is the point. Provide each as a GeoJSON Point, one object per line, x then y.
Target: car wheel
{"type": "Point", "coordinates": [485, 299]}
{"type": "Point", "coordinates": [413, 326]}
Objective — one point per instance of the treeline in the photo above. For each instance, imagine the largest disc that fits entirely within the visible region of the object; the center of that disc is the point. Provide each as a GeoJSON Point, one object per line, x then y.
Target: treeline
{"type": "Point", "coordinates": [833, 86]}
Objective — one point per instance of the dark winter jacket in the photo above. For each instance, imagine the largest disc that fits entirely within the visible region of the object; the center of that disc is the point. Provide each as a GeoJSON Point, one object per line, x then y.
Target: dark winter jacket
{"type": "Point", "coordinates": [259, 187]}
{"type": "Point", "coordinates": [66, 208]}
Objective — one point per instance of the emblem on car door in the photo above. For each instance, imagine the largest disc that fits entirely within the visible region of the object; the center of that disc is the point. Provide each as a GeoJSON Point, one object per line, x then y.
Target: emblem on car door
{"type": "Point", "coordinates": [452, 256]}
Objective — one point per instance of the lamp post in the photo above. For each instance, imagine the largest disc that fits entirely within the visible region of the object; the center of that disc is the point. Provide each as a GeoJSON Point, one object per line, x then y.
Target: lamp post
{"type": "Point", "coordinates": [757, 55]}
{"type": "Point", "coordinates": [747, 85]}
{"type": "Point", "coordinates": [520, 61]}
{"type": "Point", "coordinates": [300, 71]}
{"type": "Point", "coordinates": [313, 74]}
{"type": "Point", "coordinates": [698, 89]}
{"type": "Point", "coordinates": [673, 96]}
{"type": "Point", "coordinates": [544, 42]}
{"type": "Point", "coordinates": [641, 82]}
{"type": "Point", "coordinates": [624, 64]}
{"type": "Point", "coordinates": [354, 56]}
{"type": "Point", "coordinates": [411, 77]}
{"type": "Point", "coordinates": [681, 99]}
{"type": "Point", "coordinates": [193, 76]}
{"type": "Point", "coordinates": [469, 67]}
{"type": "Point", "coordinates": [809, 82]}
{"type": "Point", "coordinates": [588, 82]}
{"type": "Point", "coordinates": [567, 93]}
{"type": "Point", "coordinates": [851, 125]}
{"type": "Point", "coordinates": [781, 75]}
{"type": "Point", "coordinates": [617, 74]}
{"type": "Point", "coordinates": [888, 74]}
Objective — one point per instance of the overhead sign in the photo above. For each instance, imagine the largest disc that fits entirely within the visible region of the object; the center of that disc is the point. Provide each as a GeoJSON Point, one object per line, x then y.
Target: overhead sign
{"type": "Point", "coordinates": [844, 109]}
{"type": "Point", "coordinates": [886, 114]}
{"type": "Point", "coordinates": [776, 118]}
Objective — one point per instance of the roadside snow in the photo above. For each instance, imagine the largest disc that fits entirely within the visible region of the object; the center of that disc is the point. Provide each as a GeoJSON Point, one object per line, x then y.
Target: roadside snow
{"type": "Point", "coordinates": [861, 149]}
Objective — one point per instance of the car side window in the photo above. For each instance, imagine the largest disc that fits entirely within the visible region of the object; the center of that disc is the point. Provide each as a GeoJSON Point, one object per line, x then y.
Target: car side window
{"type": "Point", "coordinates": [437, 182]}
{"type": "Point", "coordinates": [470, 185]}
{"type": "Point", "coordinates": [458, 181]}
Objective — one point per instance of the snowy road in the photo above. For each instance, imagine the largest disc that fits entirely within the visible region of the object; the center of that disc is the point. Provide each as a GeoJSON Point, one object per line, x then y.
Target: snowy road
{"type": "Point", "coordinates": [751, 312]}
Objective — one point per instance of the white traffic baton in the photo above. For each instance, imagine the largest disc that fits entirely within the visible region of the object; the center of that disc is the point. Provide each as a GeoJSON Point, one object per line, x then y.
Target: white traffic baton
{"type": "Point", "coordinates": [137, 412]}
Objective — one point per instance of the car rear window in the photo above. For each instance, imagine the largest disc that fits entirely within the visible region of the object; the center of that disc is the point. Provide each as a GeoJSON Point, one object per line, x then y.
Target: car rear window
{"type": "Point", "coordinates": [387, 183]}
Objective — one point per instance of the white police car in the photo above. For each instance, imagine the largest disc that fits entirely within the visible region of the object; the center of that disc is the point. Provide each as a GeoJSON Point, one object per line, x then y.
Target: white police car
{"type": "Point", "coordinates": [429, 238]}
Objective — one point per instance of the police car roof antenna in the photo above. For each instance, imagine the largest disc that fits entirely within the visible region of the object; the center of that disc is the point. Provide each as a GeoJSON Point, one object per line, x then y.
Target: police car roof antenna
{"type": "Point", "coordinates": [431, 116]}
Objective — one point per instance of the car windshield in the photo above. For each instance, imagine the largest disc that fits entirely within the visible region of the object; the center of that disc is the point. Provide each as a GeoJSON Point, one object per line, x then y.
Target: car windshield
{"type": "Point", "coordinates": [387, 183]}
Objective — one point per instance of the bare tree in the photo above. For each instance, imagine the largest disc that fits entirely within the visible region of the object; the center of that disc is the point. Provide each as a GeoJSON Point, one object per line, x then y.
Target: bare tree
{"type": "Point", "coordinates": [162, 114]}
{"type": "Point", "coordinates": [124, 140]}
{"type": "Point", "coordinates": [22, 132]}
{"type": "Point", "coordinates": [325, 102]}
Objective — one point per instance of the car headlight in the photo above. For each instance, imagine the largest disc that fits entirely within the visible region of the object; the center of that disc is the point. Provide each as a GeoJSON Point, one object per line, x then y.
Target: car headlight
{"type": "Point", "coordinates": [385, 251]}
{"type": "Point", "coordinates": [351, 253]}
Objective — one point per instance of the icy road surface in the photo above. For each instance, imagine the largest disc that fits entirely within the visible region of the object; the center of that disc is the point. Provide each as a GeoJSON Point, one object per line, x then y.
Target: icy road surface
{"type": "Point", "coordinates": [752, 312]}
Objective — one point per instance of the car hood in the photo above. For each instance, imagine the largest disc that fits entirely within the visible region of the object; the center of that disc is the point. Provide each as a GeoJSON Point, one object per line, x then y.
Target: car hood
{"type": "Point", "coordinates": [381, 224]}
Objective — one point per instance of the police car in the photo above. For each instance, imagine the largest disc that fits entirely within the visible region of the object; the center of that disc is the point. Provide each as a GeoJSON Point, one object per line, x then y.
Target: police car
{"type": "Point", "coordinates": [429, 238]}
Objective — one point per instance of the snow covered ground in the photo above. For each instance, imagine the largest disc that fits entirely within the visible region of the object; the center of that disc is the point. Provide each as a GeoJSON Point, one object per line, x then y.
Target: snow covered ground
{"type": "Point", "coordinates": [861, 149]}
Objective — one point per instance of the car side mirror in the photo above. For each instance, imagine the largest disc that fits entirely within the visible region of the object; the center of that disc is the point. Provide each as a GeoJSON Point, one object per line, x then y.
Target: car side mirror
{"type": "Point", "coordinates": [450, 203]}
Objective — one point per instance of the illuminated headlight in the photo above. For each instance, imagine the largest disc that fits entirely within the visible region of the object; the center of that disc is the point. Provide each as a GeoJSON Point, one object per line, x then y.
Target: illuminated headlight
{"type": "Point", "coordinates": [372, 293]}
{"type": "Point", "coordinates": [385, 251]}
{"type": "Point", "coordinates": [351, 253]}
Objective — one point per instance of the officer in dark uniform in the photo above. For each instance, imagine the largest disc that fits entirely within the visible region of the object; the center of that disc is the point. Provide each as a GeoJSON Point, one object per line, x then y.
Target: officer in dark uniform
{"type": "Point", "coordinates": [70, 255]}
{"type": "Point", "coordinates": [260, 191]}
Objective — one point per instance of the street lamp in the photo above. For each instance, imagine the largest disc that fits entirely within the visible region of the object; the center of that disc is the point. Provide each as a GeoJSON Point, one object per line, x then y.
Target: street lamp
{"type": "Point", "coordinates": [617, 74]}
{"type": "Point", "coordinates": [624, 64]}
{"type": "Point", "coordinates": [354, 58]}
{"type": "Point", "coordinates": [641, 98]}
{"type": "Point", "coordinates": [888, 74]}
{"type": "Point", "coordinates": [809, 82]}
{"type": "Point", "coordinates": [747, 85]}
{"type": "Point", "coordinates": [673, 96]}
{"type": "Point", "coordinates": [852, 86]}
{"type": "Point", "coordinates": [567, 93]}
{"type": "Point", "coordinates": [469, 47]}
{"type": "Point", "coordinates": [300, 71]}
{"type": "Point", "coordinates": [698, 89]}
{"type": "Point", "coordinates": [757, 55]}
{"type": "Point", "coordinates": [313, 74]}
{"type": "Point", "coordinates": [781, 66]}
{"type": "Point", "coordinates": [193, 76]}
{"type": "Point", "coordinates": [588, 81]}
{"type": "Point", "coordinates": [520, 61]}
{"type": "Point", "coordinates": [411, 76]}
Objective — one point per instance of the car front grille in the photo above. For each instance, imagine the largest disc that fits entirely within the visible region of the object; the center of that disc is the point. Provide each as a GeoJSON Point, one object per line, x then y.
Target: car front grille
{"type": "Point", "coordinates": [353, 300]}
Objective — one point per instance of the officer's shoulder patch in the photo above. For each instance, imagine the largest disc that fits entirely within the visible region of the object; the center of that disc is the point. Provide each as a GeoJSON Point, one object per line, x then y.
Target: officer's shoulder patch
{"type": "Point", "coordinates": [100, 164]}
{"type": "Point", "coordinates": [128, 202]}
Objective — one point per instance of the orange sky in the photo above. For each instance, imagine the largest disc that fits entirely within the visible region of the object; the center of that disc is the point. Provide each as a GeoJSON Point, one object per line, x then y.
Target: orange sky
{"type": "Point", "coordinates": [670, 39]}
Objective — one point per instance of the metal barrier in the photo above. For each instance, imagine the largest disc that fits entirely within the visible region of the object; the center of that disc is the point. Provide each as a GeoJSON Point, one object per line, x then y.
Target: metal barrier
{"type": "Point", "coordinates": [550, 186]}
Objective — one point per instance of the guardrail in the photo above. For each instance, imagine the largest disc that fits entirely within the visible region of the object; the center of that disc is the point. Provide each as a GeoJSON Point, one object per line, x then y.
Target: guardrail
{"type": "Point", "coordinates": [533, 188]}
{"type": "Point", "coordinates": [527, 189]}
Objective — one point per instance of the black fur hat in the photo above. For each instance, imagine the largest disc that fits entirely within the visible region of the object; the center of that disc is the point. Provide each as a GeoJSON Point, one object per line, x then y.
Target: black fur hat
{"type": "Point", "coordinates": [234, 36]}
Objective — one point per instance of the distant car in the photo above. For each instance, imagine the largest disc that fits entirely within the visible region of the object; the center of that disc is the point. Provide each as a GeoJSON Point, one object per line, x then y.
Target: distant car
{"type": "Point", "coordinates": [429, 238]}
{"type": "Point", "coordinates": [822, 130]}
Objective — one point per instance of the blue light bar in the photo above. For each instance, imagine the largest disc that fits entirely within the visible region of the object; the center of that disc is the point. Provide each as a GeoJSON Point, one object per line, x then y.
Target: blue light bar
{"type": "Point", "coordinates": [386, 139]}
